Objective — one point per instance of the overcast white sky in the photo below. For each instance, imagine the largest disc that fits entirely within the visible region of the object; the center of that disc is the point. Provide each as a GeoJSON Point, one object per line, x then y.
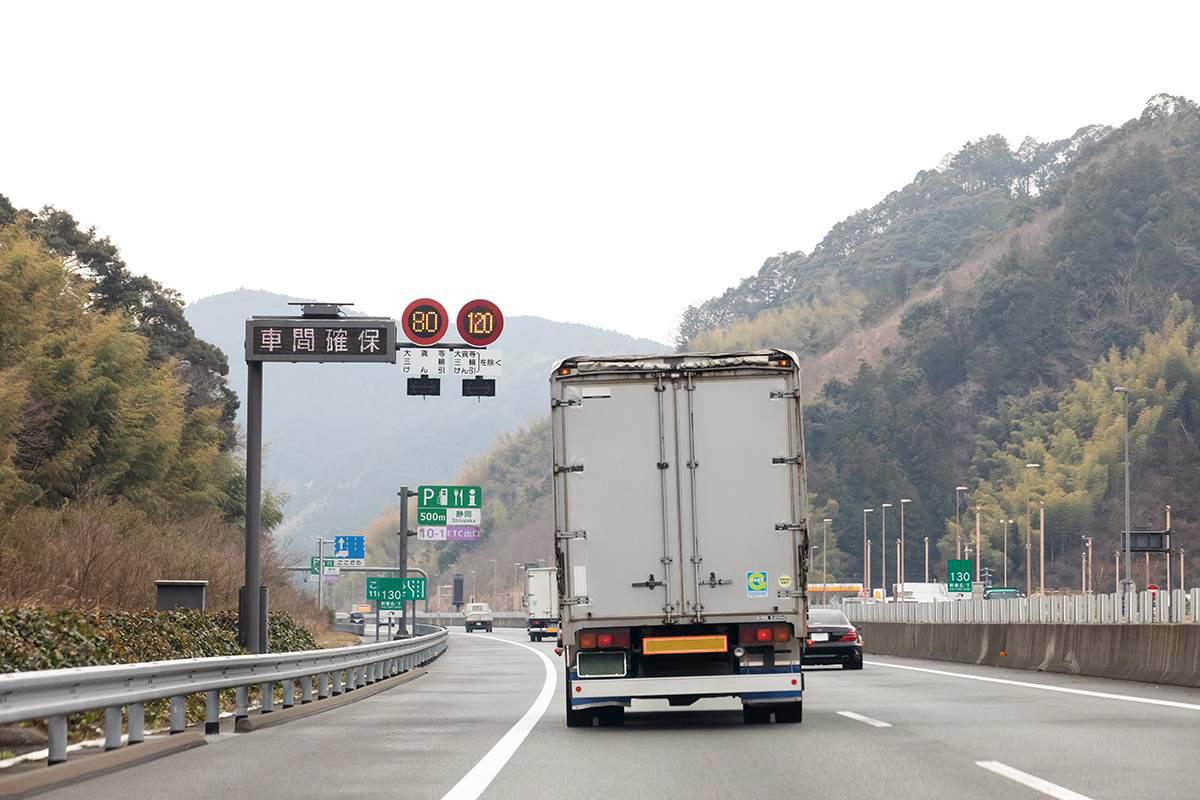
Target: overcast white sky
{"type": "Point", "coordinates": [605, 163]}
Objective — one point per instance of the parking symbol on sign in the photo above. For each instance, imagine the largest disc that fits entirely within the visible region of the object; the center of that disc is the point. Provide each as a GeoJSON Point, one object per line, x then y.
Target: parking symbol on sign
{"type": "Point", "coordinates": [756, 583]}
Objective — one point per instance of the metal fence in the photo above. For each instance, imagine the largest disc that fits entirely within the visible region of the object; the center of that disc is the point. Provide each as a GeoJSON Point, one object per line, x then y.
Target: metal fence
{"type": "Point", "coordinates": [54, 694]}
{"type": "Point", "coordinates": [1141, 608]}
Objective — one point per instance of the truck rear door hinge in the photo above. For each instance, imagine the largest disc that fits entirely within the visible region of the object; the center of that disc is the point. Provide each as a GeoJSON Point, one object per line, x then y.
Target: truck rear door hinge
{"type": "Point", "coordinates": [649, 583]}
{"type": "Point", "coordinates": [581, 600]}
{"type": "Point", "coordinates": [788, 460]}
{"type": "Point", "coordinates": [561, 468]}
{"type": "Point", "coordinates": [792, 395]}
{"type": "Point", "coordinates": [788, 526]}
{"type": "Point", "coordinates": [664, 464]}
{"type": "Point", "coordinates": [789, 593]}
{"type": "Point", "coordinates": [556, 403]}
{"type": "Point", "coordinates": [560, 535]}
{"type": "Point", "coordinates": [714, 581]}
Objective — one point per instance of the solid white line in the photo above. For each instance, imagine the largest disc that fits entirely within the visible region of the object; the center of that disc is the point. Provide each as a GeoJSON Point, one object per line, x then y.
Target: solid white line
{"type": "Point", "coordinates": [1032, 781]}
{"type": "Point", "coordinates": [1128, 698]}
{"type": "Point", "coordinates": [483, 773]}
{"type": "Point", "coordinates": [872, 722]}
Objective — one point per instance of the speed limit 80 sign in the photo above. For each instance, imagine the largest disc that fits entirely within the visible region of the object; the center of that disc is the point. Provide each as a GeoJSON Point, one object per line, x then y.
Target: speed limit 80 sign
{"type": "Point", "coordinates": [425, 322]}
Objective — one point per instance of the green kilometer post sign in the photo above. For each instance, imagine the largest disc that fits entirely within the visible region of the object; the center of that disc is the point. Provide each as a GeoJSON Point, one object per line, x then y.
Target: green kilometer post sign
{"type": "Point", "coordinates": [959, 578]}
{"type": "Point", "coordinates": [391, 592]}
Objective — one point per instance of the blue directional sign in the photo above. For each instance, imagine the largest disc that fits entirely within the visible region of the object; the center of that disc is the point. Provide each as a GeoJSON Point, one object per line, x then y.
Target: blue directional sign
{"type": "Point", "coordinates": [350, 548]}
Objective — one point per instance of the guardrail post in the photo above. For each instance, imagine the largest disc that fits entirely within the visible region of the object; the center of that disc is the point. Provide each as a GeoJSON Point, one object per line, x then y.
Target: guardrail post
{"type": "Point", "coordinates": [267, 700]}
{"type": "Point", "coordinates": [112, 727]}
{"type": "Point", "coordinates": [322, 685]}
{"type": "Point", "coordinates": [306, 690]}
{"type": "Point", "coordinates": [57, 735]}
{"type": "Point", "coordinates": [1195, 606]}
{"type": "Point", "coordinates": [212, 712]}
{"type": "Point", "coordinates": [137, 723]}
{"type": "Point", "coordinates": [178, 721]}
{"type": "Point", "coordinates": [360, 677]}
{"type": "Point", "coordinates": [243, 702]}
{"type": "Point", "coordinates": [337, 682]}
{"type": "Point", "coordinates": [289, 693]}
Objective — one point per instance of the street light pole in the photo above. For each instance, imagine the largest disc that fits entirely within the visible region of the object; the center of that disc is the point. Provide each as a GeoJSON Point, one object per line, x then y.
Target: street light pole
{"type": "Point", "coordinates": [474, 586]}
{"type": "Point", "coordinates": [927, 559]}
{"type": "Point", "coordinates": [1128, 582]}
{"type": "Point", "coordinates": [870, 594]}
{"type": "Point", "coordinates": [883, 507]}
{"type": "Point", "coordinates": [958, 490]}
{"type": "Point", "coordinates": [494, 596]}
{"type": "Point", "coordinates": [1006, 522]}
{"type": "Point", "coordinates": [1029, 537]}
{"type": "Point", "coordinates": [866, 551]}
{"type": "Point", "coordinates": [1042, 546]}
{"type": "Point", "coordinates": [825, 559]}
{"type": "Point", "coordinates": [978, 549]}
{"type": "Point", "coordinates": [517, 583]}
{"type": "Point", "coordinates": [903, 503]}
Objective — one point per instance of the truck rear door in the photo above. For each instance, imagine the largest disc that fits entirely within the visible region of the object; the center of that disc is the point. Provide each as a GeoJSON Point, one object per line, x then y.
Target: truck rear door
{"type": "Point", "coordinates": [738, 481]}
{"type": "Point", "coordinates": [614, 448]}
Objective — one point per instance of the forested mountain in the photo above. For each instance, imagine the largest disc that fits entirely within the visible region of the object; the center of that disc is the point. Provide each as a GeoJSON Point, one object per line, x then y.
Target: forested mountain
{"type": "Point", "coordinates": [116, 430]}
{"type": "Point", "coordinates": [1017, 366]}
{"type": "Point", "coordinates": [1013, 289]}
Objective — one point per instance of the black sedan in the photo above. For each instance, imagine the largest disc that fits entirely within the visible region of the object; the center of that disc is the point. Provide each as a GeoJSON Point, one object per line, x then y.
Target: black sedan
{"type": "Point", "coordinates": [832, 639]}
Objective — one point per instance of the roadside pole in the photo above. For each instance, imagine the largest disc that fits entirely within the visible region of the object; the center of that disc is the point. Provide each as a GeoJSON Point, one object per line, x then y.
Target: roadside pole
{"type": "Point", "coordinates": [250, 594]}
{"type": "Point", "coordinates": [402, 561]}
{"type": "Point", "coordinates": [320, 575]}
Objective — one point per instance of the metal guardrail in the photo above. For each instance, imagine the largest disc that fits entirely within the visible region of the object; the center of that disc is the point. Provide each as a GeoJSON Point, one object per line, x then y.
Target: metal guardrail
{"type": "Point", "coordinates": [54, 694]}
{"type": "Point", "coordinates": [1139, 608]}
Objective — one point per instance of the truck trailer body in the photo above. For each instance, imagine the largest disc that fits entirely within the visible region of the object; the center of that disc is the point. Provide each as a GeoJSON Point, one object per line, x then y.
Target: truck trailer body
{"type": "Point", "coordinates": [680, 531]}
{"type": "Point", "coordinates": [541, 602]}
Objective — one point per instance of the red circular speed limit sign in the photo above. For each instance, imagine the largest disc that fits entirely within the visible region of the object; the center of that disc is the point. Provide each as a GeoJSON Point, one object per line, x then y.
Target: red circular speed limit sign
{"type": "Point", "coordinates": [480, 322]}
{"type": "Point", "coordinates": [425, 321]}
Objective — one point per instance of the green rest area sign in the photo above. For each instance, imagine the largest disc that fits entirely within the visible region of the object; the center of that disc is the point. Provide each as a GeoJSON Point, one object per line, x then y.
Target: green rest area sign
{"type": "Point", "coordinates": [959, 577]}
{"type": "Point", "coordinates": [391, 592]}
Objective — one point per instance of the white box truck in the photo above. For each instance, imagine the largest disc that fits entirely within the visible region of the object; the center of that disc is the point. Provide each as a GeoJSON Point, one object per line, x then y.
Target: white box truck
{"type": "Point", "coordinates": [681, 531]}
{"type": "Point", "coordinates": [541, 602]}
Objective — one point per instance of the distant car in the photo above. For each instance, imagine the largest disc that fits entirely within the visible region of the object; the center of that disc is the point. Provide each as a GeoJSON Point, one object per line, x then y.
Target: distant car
{"type": "Point", "coordinates": [357, 618]}
{"type": "Point", "coordinates": [998, 592]}
{"type": "Point", "coordinates": [479, 615]}
{"type": "Point", "coordinates": [832, 639]}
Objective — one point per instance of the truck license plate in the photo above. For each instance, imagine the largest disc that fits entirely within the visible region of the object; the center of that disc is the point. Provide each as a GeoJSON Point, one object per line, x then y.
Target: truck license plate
{"type": "Point", "coordinates": [820, 637]}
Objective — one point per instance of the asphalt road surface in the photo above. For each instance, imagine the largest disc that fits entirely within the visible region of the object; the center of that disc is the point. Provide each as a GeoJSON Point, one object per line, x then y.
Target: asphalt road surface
{"type": "Point", "coordinates": [487, 721]}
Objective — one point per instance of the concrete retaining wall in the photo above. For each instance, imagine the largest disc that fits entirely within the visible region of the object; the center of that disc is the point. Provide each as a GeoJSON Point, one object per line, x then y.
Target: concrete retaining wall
{"type": "Point", "coordinates": [1168, 654]}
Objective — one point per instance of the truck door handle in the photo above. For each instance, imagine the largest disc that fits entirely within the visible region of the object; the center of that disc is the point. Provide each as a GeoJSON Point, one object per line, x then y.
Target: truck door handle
{"type": "Point", "coordinates": [650, 583]}
{"type": "Point", "coordinates": [714, 581]}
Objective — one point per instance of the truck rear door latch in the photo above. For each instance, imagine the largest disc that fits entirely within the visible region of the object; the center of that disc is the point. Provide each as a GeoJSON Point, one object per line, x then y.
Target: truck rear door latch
{"type": "Point", "coordinates": [561, 468]}
{"type": "Point", "coordinates": [650, 583]}
{"type": "Point", "coordinates": [792, 395]}
{"type": "Point", "coordinates": [556, 403]}
{"type": "Point", "coordinates": [788, 526]}
{"type": "Point", "coordinates": [582, 600]}
{"type": "Point", "coordinates": [714, 581]}
{"type": "Point", "coordinates": [789, 460]}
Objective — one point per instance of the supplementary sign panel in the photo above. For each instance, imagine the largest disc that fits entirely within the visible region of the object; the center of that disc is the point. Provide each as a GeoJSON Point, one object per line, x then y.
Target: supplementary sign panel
{"type": "Point", "coordinates": [321, 340]}
{"type": "Point", "coordinates": [395, 589]}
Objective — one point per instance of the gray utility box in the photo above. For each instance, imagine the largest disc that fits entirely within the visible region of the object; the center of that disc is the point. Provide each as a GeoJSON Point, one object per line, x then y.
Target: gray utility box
{"type": "Point", "coordinates": [170, 595]}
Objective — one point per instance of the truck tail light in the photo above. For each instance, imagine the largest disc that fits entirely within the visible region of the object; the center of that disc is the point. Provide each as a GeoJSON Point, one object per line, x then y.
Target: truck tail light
{"type": "Point", "coordinates": [604, 639]}
{"type": "Point", "coordinates": [764, 634]}
{"type": "Point", "coordinates": [852, 636]}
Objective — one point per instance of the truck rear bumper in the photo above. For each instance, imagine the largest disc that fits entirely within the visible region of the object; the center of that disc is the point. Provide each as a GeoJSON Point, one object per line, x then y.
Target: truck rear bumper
{"type": "Point", "coordinates": [773, 687]}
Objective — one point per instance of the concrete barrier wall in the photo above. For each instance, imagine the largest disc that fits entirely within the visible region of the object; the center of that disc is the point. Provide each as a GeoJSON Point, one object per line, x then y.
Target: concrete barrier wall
{"type": "Point", "coordinates": [1168, 654]}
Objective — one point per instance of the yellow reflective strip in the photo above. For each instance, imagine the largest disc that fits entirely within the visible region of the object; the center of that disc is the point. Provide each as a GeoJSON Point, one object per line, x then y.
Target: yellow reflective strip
{"type": "Point", "coordinates": [684, 644]}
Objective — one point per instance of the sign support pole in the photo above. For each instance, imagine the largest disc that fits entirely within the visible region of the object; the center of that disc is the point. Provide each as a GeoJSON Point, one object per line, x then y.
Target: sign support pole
{"type": "Point", "coordinates": [320, 575]}
{"type": "Point", "coordinates": [250, 602]}
{"type": "Point", "coordinates": [403, 556]}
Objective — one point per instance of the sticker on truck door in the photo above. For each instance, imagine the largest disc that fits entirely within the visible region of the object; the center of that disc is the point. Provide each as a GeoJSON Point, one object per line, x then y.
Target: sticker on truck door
{"type": "Point", "coordinates": [785, 581]}
{"type": "Point", "coordinates": [756, 583]}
